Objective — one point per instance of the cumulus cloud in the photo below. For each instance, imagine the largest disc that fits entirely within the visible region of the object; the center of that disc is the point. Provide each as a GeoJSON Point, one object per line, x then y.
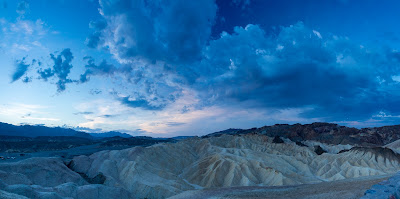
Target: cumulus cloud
{"type": "Point", "coordinates": [45, 74]}
{"type": "Point", "coordinates": [297, 67]}
{"type": "Point", "coordinates": [61, 68]}
{"type": "Point", "coordinates": [164, 48]}
{"type": "Point", "coordinates": [333, 75]}
{"type": "Point", "coordinates": [92, 69]}
{"type": "Point", "coordinates": [172, 31]}
{"type": "Point", "coordinates": [294, 67]}
{"type": "Point", "coordinates": [94, 40]}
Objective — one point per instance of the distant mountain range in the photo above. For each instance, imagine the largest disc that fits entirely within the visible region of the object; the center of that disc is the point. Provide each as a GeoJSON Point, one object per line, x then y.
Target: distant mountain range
{"type": "Point", "coordinates": [37, 131]}
{"type": "Point", "coordinates": [110, 134]}
{"type": "Point", "coordinates": [324, 132]}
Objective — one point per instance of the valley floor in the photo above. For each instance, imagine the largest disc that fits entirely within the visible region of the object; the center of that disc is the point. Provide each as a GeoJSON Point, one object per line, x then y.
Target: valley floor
{"type": "Point", "coordinates": [341, 189]}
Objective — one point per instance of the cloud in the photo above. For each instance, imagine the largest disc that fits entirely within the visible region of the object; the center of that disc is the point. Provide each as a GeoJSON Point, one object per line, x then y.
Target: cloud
{"type": "Point", "coordinates": [35, 29]}
{"type": "Point", "coordinates": [45, 74]}
{"type": "Point", "coordinates": [173, 31]}
{"type": "Point", "coordinates": [164, 49]}
{"type": "Point", "coordinates": [22, 36]}
{"type": "Point", "coordinates": [331, 74]}
{"type": "Point", "coordinates": [42, 118]}
{"type": "Point", "coordinates": [170, 121]}
{"type": "Point", "coordinates": [139, 103]}
{"type": "Point", "coordinates": [175, 123]}
{"type": "Point", "coordinates": [27, 115]}
{"type": "Point", "coordinates": [295, 67]}
{"type": "Point", "coordinates": [61, 68]}
{"type": "Point", "coordinates": [26, 79]}
{"type": "Point", "coordinates": [108, 116]}
{"type": "Point", "coordinates": [20, 70]}
{"type": "Point", "coordinates": [84, 113]}
{"type": "Point", "coordinates": [92, 69]}
{"type": "Point", "coordinates": [94, 40]}
{"type": "Point", "coordinates": [95, 91]}
{"type": "Point", "coordinates": [23, 7]}
{"type": "Point", "coordinates": [25, 111]}
{"type": "Point", "coordinates": [87, 130]}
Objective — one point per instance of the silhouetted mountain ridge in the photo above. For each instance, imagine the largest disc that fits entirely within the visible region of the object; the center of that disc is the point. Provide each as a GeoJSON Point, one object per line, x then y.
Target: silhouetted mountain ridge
{"type": "Point", "coordinates": [35, 131]}
{"type": "Point", "coordinates": [110, 134]}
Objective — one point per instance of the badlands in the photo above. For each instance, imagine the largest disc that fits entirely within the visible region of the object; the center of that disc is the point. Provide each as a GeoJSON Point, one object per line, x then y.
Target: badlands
{"type": "Point", "coordinates": [225, 165]}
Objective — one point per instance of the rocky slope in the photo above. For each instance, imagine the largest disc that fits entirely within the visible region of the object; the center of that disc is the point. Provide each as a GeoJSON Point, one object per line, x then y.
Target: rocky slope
{"type": "Point", "coordinates": [50, 178]}
{"type": "Point", "coordinates": [249, 160]}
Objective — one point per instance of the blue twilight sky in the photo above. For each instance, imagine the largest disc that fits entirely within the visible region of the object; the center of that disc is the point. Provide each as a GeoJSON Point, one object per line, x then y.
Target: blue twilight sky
{"type": "Point", "coordinates": [166, 68]}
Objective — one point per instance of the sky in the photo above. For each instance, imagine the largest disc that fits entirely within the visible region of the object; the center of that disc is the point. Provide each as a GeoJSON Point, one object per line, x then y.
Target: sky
{"type": "Point", "coordinates": [169, 68]}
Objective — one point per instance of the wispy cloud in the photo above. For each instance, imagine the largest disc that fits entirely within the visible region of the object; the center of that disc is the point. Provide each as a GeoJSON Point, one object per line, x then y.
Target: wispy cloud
{"type": "Point", "coordinates": [21, 67]}
{"type": "Point", "coordinates": [171, 121]}
{"type": "Point", "coordinates": [23, 7]}
{"type": "Point", "coordinates": [83, 113]}
{"type": "Point", "coordinates": [27, 112]}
